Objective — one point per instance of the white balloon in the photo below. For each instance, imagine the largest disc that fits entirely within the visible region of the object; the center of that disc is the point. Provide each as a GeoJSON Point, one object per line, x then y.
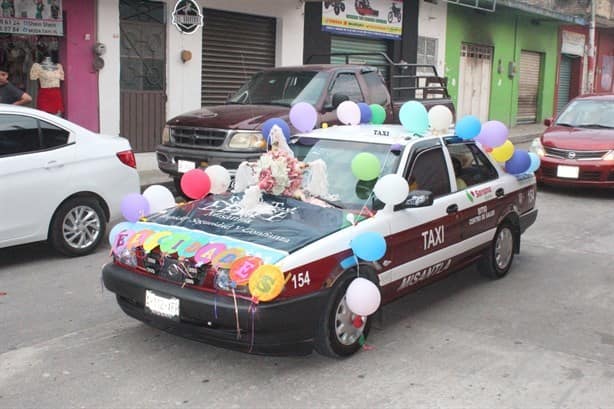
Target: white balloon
{"type": "Point", "coordinates": [391, 189]}
{"type": "Point", "coordinates": [220, 178]}
{"type": "Point", "coordinates": [440, 118]}
{"type": "Point", "coordinates": [348, 113]}
{"type": "Point", "coordinates": [363, 297]}
{"type": "Point", "coordinates": [159, 198]}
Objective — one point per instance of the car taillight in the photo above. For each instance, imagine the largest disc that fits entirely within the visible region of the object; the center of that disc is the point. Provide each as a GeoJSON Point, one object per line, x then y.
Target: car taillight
{"type": "Point", "coordinates": [127, 158]}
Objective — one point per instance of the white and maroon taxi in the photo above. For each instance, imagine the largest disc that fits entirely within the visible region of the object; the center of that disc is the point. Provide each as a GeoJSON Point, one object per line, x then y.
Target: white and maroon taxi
{"type": "Point", "coordinates": [462, 208]}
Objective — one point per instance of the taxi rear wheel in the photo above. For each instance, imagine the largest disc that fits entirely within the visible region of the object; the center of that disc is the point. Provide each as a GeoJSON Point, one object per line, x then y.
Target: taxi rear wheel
{"type": "Point", "coordinates": [498, 258]}
{"type": "Point", "coordinates": [337, 334]}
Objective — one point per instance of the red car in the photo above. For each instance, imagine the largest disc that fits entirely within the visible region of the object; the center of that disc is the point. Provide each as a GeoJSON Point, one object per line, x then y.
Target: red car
{"type": "Point", "coordinates": [578, 148]}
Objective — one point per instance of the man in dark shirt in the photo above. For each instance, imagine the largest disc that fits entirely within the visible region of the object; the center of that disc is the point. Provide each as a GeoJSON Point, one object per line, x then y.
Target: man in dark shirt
{"type": "Point", "coordinates": [10, 94]}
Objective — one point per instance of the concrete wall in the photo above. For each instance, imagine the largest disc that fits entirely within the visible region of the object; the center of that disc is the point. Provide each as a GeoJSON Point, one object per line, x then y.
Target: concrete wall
{"type": "Point", "coordinates": [509, 33]}
{"type": "Point", "coordinates": [184, 79]}
{"type": "Point", "coordinates": [432, 23]}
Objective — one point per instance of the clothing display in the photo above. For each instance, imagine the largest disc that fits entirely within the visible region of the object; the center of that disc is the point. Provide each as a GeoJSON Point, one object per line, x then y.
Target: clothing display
{"type": "Point", "coordinates": [49, 95]}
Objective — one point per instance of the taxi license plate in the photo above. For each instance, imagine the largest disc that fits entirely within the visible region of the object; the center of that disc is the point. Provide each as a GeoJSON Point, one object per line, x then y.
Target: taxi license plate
{"type": "Point", "coordinates": [167, 307]}
{"type": "Point", "coordinates": [185, 165]}
{"type": "Point", "coordinates": [569, 172]}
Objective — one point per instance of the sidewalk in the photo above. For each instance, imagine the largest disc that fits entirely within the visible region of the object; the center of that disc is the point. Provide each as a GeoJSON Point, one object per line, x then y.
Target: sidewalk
{"type": "Point", "coordinates": [149, 173]}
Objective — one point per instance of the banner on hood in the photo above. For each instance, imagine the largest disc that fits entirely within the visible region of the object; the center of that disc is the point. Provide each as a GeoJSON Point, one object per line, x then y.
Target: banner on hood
{"type": "Point", "coordinates": [290, 225]}
{"type": "Point", "coordinates": [35, 17]}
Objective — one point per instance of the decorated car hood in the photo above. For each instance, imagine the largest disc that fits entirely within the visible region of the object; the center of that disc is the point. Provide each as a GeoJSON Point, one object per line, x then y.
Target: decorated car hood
{"type": "Point", "coordinates": [287, 226]}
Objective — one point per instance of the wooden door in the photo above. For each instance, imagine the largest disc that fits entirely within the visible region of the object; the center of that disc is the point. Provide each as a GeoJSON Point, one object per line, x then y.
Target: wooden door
{"type": "Point", "coordinates": [474, 81]}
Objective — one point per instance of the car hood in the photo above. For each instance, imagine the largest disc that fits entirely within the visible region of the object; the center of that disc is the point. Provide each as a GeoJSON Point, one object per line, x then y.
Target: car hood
{"type": "Point", "coordinates": [231, 116]}
{"type": "Point", "coordinates": [578, 138]}
{"type": "Point", "coordinates": [285, 227]}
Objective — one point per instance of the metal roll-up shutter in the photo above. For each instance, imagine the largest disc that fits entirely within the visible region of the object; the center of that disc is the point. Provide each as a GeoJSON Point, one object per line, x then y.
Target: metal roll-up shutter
{"type": "Point", "coordinates": [235, 46]}
{"type": "Point", "coordinates": [347, 44]}
{"type": "Point", "coordinates": [564, 83]}
{"type": "Point", "coordinates": [530, 68]}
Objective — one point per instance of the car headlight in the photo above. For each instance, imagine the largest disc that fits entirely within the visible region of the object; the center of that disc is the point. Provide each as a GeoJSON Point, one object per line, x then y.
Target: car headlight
{"type": "Point", "coordinates": [538, 148]}
{"type": "Point", "coordinates": [166, 135]}
{"type": "Point", "coordinates": [247, 140]}
{"type": "Point", "coordinates": [609, 155]}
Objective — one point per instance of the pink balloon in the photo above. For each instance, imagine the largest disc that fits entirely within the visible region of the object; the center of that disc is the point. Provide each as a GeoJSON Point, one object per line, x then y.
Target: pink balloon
{"type": "Point", "coordinates": [493, 134]}
{"type": "Point", "coordinates": [195, 184]}
{"type": "Point", "coordinates": [303, 116]}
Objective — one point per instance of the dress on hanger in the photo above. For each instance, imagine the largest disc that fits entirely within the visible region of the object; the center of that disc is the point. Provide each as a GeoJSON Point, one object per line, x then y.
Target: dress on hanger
{"type": "Point", "coordinates": [49, 95]}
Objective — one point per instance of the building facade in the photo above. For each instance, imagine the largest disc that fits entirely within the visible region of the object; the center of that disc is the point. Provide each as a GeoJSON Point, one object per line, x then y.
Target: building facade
{"type": "Point", "coordinates": [65, 31]}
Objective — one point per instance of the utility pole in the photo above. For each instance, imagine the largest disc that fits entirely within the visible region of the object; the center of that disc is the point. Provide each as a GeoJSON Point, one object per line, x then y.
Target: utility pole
{"type": "Point", "coordinates": [591, 49]}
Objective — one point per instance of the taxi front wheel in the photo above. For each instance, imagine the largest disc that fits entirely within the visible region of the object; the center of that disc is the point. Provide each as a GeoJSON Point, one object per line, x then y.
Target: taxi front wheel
{"type": "Point", "coordinates": [498, 258]}
{"type": "Point", "coordinates": [340, 332]}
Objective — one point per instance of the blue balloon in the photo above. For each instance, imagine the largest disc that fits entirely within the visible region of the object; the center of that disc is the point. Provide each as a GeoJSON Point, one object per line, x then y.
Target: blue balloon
{"type": "Point", "coordinates": [518, 163]}
{"type": "Point", "coordinates": [117, 229]}
{"type": "Point", "coordinates": [535, 162]}
{"type": "Point", "coordinates": [369, 246]}
{"type": "Point", "coordinates": [268, 124]}
{"type": "Point", "coordinates": [365, 113]}
{"type": "Point", "coordinates": [414, 117]}
{"type": "Point", "coordinates": [468, 127]}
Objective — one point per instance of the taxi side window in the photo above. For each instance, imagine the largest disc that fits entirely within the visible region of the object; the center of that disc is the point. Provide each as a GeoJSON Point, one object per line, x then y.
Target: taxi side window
{"type": "Point", "coordinates": [429, 172]}
{"type": "Point", "coordinates": [470, 165]}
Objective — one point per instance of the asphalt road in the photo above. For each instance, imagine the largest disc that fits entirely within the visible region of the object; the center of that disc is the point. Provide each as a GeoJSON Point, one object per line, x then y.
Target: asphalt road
{"type": "Point", "coordinates": [542, 337]}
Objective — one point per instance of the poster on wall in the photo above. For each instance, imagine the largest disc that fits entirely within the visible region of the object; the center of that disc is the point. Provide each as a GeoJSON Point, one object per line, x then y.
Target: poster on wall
{"type": "Point", "coordinates": [36, 17]}
{"type": "Point", "coordinates": [365, 18]}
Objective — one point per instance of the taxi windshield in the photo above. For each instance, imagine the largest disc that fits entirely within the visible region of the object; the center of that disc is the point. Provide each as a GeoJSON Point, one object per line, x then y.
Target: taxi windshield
{"type": "Point", "coordinates": [343, 187]}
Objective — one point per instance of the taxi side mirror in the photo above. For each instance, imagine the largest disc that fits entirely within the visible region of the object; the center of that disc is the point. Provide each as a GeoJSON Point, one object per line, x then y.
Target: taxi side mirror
{"type": "Point", "coordinates": [416, 198]}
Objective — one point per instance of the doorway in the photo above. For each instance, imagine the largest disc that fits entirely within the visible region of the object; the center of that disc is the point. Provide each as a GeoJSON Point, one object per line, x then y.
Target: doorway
{"type": "Point", "coordinates": [142, 72]}
{"type": "Point", "coordinates": [474, 81]}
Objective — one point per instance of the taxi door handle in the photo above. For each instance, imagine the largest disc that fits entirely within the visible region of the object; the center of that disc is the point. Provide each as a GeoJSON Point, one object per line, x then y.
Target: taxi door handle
{"type": "Point", "coordinates": [500, 192]}
{"type": "Point", "coordinates": [453, 208]}
{"type": "Point", "coordinates": [52, 164]}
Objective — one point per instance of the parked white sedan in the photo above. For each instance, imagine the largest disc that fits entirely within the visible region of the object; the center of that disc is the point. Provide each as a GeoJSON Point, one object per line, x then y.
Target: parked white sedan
{"type": "Point", "coordinates": [58, 181]}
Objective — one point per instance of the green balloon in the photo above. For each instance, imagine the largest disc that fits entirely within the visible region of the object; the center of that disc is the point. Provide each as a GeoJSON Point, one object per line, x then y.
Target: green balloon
{"type": "Point", "coordinates": [366, 166]}
{"type": "Point", "coordinates": [378, 114]}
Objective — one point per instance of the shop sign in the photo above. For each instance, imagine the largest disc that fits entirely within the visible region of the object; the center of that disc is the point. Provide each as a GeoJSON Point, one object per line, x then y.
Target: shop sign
{"type": "Point", "coordinates": [573, 43]}
{"type": "Point", "coordinates": [366, 18]}
{"type": "Point", "coordinates": [35, 17]}
{"type": "Point", "coordinates": [187, 16]}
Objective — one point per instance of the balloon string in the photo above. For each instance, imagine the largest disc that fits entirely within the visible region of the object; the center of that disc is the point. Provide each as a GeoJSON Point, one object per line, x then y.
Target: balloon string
{"type": "Point", "coordinates": [252, 310]}
{"type": "Point", "coordinates": [215, 305]}
{"type": "Point", "coordinates": [234, 296]}
{"type": "Point", "coordinates": [357, 265]}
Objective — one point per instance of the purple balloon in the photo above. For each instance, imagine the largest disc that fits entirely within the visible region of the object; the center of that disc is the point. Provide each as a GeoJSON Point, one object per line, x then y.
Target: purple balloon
{"type": "Point", "coordinates": [268, 124]}
{"type": "Point", "coordinates": [493, 134]}
{"type": "Point", "coordinates": [134, 206]}
{"type": "Point", "coordinates": [303, 116]}
{"type": "Point", "coordinates": [519, 163]}
{"type": "Point", "coordinates": [365, 113]}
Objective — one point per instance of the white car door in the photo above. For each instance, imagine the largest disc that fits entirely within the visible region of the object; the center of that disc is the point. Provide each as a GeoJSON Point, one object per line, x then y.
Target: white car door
{"type": "Point", "coordinates": [33, 153]}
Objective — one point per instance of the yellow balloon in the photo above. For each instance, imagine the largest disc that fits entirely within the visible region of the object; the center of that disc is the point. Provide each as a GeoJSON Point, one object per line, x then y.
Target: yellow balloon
{"type": "Point", "coordinates": [504, 152]}
{"type": "Point", "coordinates": [266, 283]}
{"type": "Point", "coordinates": [153, 240]}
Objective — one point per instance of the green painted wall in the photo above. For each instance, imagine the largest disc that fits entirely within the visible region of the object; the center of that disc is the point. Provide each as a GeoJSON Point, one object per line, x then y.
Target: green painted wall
{"type": "Point", "coordinates": [508, 32]}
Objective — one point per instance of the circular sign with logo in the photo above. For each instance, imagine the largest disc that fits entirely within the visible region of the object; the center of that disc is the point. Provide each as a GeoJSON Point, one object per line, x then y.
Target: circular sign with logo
{"type": "Point", "coordinates": [266, 283]}
{"type": "Point", "coordinates": [187, 16]}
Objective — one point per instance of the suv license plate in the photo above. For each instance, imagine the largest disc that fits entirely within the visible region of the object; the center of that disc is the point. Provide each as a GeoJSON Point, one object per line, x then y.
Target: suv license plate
{"type": "Point", "coordinates": [569, 172]}
{"type": "Point", "coordinates": [185, 165]}
{"type": "Point", "coordinates": [162, 306]}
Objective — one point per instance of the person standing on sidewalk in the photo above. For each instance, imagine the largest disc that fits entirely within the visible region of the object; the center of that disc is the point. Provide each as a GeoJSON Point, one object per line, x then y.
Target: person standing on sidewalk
{"type": "Point", "coordinates": [10, 94]}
